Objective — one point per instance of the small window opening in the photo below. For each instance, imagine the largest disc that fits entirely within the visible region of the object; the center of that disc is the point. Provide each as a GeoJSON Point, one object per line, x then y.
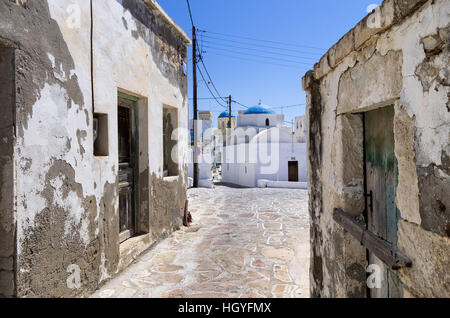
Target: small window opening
{"type": "Point", "coordinates": [100, 127]}
{"type": "Point", "coordinates": [267, 122]}
{"type": "Point", "coordinates": [170, 146]}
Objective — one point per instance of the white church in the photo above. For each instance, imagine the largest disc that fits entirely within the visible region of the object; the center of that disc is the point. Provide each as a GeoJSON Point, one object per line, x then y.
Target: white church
{"type": "Point", "coordinates": [263, 152]}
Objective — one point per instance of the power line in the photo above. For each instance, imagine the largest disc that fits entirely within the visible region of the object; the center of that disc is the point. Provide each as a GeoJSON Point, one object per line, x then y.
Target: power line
{"type": "Point", "coordinates": [240, 104]}
{"type": "Point", "coordinates": [261, 56]}
{"type": "Point", "coordinates": [190, 13]}
{"type": "Point", "coordinates": [262, 51]}
{"type": "Point", "coordinates": [267, 41]}
{"type": "Point", "coordinates": [209, 76]}
{"type": "Point", "coordinates": [207, 86]}
{"type": "Point", "coordinates": [256, 61]}
{"type": "Point", "coordinates": [208, 98]}
{"type": "Point", "coordinates": [290, 106]}
{"type": "Point", "coordinates": [264, 46]}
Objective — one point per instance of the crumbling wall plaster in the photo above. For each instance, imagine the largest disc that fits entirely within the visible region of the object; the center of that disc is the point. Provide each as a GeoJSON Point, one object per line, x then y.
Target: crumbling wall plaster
{"type": "Point", "coordinates": [404, 62]}
{"type": "Point", "coordinates": [66, 198]}
{"type": "Point", "coordinates": [162, 59]}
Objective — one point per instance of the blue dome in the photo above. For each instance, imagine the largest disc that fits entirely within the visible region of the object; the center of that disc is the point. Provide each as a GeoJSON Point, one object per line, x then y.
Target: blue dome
{"type": "Point", "coordinates": [225, 115]}
{"type": "Point", "coordinates": [258, 110]}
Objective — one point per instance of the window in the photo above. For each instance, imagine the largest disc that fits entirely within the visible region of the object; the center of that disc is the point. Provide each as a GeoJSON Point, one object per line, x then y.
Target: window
{"type": "Point", "coordinates": [267, 122]}
{"type": "Point", "coordinates": [170, 144]}
{"type": "Point", "coordinates": [101, 145]}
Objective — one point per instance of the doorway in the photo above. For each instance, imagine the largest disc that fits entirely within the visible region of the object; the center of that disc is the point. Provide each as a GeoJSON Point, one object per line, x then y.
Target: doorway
{"type": "Point", "coordinates": [128, 162]}
{"type": "Point", "coordinates": [381, 178]}
{"type": "Point", "coordinates": [293, 171]}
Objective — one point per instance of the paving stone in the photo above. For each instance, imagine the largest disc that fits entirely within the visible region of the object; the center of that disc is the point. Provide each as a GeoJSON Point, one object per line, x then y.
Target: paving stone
{"type": "Point", "coordinates": [166, 268]}
{"type": "Point", "coordinates": [252, 293]}
{"type": "Point", "coordinates": [142, 284]}
{"type": "Point", "coordinates": [206, 276]}
{"type": "Point", "coordinates": [278, 253]}
{"type": "Point", "coordinates": [272, 233]}
{"type": "Point", "coordinates": [214, 287]}
{"type": "Point", "coordinates": [171, 278]}
{"type": "Point", "coordinates": [281, 272]}
{"type": "Point", "coordinates": [127, 293]}
{"type": "Point", "coordinates": [246, 215]}
{"type": "Point", "coordinates": [205, 266]}
{"type": "Point", "coordinates": [168, 257]}
{"type": "Point", "coordinates": [241, 244]}
{"type": "Point", "coordinates": [257, 263]}
{"type": "Point", "coordinates": [209, 296]}
{"type": "Point", "coordinates": [275, 240]}
{"type": "Point", "coordinates": [144, 273]}
{"type": "Point", "coordinates": [232, 262]}
{"type": "Point", "coordinates": [261, 284]}
{"type": "Point", "coordinates": [106, 293]}
{"type": "Point", "coordinates": [272, 226]}
{"type": "Point", "coordinates": [177, 293]}
{"type": "Point", "coordinates": [284, 291]}
{"type": "Point", "coordinates": [269, 216]}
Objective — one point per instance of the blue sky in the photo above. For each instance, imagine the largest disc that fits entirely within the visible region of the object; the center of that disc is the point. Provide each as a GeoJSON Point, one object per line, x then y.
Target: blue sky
{"type": "Point", "coordinates": [304, 24]}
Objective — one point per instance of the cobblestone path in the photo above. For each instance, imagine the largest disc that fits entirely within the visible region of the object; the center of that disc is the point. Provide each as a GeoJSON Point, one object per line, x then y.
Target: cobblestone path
{"type": "Point", "coordinates": [250, 243]}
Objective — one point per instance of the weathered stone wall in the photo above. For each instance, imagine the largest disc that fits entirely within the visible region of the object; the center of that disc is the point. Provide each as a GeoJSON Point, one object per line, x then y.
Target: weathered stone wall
{"type": "Point", "coordinates": [398, 55]}
{"type": "Point", "coordinates": [63, 197]}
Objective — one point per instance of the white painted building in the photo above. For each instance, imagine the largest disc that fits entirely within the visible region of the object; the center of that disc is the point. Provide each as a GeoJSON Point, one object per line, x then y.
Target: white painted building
{"type": "Point", "coordinates": [205, 152]}
{"type": "Point", "coordinates": [300, 129]}
{"type": "Point", "coordinates": [263, 151]}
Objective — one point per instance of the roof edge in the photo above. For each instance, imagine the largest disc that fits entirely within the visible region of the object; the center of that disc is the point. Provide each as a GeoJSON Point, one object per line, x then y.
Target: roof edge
{"type": "Point", "coordinates": [154, 5]}
{"type": "Point", "coordinates": [390, 12]}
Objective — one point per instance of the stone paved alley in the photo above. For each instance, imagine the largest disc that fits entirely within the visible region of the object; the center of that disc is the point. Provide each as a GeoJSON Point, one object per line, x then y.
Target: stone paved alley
{"type": "Point", "coordinates": [250, 243]}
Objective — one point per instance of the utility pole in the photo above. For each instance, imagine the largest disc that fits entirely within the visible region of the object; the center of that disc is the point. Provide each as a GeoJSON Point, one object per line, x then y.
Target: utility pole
{"type": "Point", "coordinates": [194, 76]}
{"type": "Point", "coordinates": [228, 133]}
{"type": "Point", "coordinates": [229, 111]}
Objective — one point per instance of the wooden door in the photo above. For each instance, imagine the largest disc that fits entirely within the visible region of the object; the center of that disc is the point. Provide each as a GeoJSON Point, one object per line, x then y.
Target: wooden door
{"type": "Point", "coordinates": [293, 171]}
{"type": "Point", "coordinates": [127, 167]}
{"type": "Point", "coordinates": [381, 186]}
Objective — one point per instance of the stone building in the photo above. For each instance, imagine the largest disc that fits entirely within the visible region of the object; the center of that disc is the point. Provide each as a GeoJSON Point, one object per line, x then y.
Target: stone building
{"type": "Point", "coordinates": [89, 91]}
{"type": "Point", "coordinates": [378, 117]}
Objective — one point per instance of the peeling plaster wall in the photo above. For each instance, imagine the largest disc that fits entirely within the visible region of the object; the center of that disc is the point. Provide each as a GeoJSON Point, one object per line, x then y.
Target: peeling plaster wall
{"type": "Point", "coordinates": [403, 61]}
{"type": "Point", "coordinates": [65, 198]}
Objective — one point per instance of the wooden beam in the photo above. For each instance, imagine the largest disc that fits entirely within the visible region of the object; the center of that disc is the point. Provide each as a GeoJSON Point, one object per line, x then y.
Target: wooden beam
{"type": "Point", "coordinates": [385, 251]}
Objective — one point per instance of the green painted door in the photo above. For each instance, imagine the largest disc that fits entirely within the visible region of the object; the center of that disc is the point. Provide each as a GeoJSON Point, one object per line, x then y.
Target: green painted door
{"type": "Point", "coordinates": [381, 184]}
{"type": "Point", "coordinates": [128, 163]}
